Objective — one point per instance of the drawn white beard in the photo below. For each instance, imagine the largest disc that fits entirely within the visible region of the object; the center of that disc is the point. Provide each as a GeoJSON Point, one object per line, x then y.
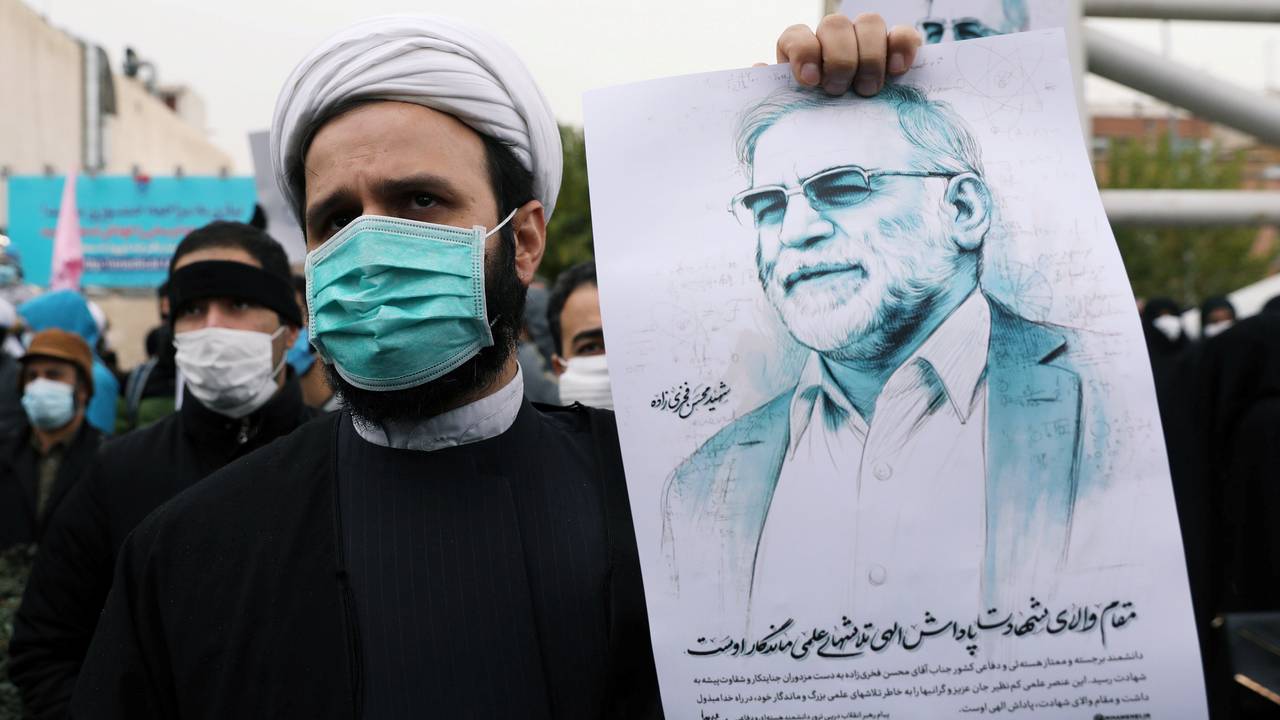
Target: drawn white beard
{"type": "Point", "coordinates": [851, 316]}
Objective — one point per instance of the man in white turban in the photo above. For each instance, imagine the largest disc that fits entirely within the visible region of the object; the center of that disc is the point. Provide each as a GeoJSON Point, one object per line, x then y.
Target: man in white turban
{"type": "Point", "coordinates": [441, 548]}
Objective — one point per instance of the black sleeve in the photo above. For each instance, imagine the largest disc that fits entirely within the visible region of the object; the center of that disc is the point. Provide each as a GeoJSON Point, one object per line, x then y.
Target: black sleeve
{"type": "Point", "coordinates": [1252, 502]}
{"type": "Point", "coordinates": [125, 673]}
{"type": "Point", "coordinates": [63, 599]}
{"type": "Point", "coordinates": [633, 682]}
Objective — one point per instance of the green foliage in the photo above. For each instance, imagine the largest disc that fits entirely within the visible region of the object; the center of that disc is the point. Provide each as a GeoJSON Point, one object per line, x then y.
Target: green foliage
{"type": "Point", "coordinates": [1187, 264]}
{"type": "Point", "coordinates": [15, 566]}
{"type": "Point", "coordinates": [569, 232]}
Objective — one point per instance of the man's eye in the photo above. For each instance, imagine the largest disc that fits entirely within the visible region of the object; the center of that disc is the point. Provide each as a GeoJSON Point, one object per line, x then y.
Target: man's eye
{"type": "Point", "coordinates": [972, 31]}
{"type": "Point", "coordinates": [422, 200]}
{"type": "Point", "coordinates": [340, 221]}
{"type": "Point", "coordinates": [192, 310]}
{"type": "Point", "coordinates": [767, 206]}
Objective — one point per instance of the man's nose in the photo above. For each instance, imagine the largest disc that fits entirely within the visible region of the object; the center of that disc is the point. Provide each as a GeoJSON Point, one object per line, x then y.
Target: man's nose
{"type": "Point", "coordinates": [376, 206]}
{"type": "Point", "coordinates": [801, 224]}
{"type": "Point", "coordinates": [215, 315]}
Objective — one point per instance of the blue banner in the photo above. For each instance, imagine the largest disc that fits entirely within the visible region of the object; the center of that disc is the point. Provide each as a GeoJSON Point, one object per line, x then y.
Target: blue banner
{"type": "Point", "coordinates": [129, 227]}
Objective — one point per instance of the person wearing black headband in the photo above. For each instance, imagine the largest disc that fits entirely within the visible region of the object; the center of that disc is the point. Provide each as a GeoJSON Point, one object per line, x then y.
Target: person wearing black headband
{"type": "Point", "coordinates": [233, 314]}
{"type": "Point", "coordinates": [232, 324]}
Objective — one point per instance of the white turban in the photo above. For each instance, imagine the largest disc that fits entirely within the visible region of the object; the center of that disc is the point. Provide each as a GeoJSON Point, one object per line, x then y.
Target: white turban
{"type": "Point", "coordinates": [435, 62]}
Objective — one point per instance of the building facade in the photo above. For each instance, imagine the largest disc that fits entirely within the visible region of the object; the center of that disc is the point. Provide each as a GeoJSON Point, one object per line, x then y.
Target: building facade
{"type": "Point", "coordinates": [66, 108]}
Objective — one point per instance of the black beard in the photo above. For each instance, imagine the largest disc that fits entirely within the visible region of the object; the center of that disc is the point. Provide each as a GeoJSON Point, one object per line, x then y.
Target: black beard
{"type": "Point", "coordinates": [504, 298]}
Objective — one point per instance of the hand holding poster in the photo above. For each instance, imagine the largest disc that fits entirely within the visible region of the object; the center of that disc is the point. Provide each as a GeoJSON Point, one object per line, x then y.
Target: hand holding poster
{"type": "Point", "coordinates": [888, 424]}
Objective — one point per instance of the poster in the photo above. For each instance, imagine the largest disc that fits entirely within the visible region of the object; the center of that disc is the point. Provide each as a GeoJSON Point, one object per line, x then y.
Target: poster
{"type": "Point", "coordinates": [280, 222]}
{"type": "Point", "coordinates": [942, 21]}
{"type": "Point", "coordinates": [129, 228]}
{"type": "Point", "coordinates": [888, 423]}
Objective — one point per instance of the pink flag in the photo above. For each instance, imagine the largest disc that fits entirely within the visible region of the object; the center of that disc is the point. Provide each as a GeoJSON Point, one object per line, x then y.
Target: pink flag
{"type": "Point", "coordinates": [68, 254]}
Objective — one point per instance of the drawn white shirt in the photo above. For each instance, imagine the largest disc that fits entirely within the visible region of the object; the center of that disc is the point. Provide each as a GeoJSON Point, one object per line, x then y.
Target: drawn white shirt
{"type": "Point", "coordinates": [882, 522]}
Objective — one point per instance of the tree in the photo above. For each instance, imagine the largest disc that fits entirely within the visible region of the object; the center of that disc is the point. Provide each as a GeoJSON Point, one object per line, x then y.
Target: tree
{"type": "Point", "coordinates": [569, 232]}
{"type": "Point", "coordinates": [1187, 264]}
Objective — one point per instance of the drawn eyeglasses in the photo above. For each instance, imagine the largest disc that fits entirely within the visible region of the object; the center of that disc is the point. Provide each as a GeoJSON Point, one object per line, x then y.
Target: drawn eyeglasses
{"type": "Point", "coordinates": [832, 189]}
{"type": "Point", "coordinates": [962, 28]}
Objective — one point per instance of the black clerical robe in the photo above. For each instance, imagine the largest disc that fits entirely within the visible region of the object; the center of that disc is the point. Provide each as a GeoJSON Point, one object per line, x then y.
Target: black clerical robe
{"type": "Point", "coordinates": [325, 577]}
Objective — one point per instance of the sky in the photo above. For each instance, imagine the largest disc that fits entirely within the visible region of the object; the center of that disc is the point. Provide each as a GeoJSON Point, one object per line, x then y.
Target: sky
{"type": "Point", "coordinates": [236, 53]}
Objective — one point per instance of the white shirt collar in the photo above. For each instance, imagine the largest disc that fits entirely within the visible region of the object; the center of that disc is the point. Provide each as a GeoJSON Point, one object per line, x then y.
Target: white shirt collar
{"type": "Point", "coordinates": [333, 403]}
{"type": "Point", "coordinates": [956, 353]}
{"type": "Point", "coordinates": [485, 418]}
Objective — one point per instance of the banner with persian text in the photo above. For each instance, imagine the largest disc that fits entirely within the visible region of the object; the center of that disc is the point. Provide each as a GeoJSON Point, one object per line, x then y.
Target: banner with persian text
{"type": "Point", "coordinates": [129, 226]}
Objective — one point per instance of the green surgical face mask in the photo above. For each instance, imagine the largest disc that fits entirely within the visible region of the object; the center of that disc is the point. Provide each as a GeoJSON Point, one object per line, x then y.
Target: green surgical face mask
{"type": "Point", "coordinates": [398, 303]}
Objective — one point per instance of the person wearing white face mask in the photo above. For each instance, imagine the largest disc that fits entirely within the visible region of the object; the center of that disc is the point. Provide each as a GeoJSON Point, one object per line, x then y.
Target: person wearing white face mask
{"type": "Point", "coordinates": [1167, 342]}
{"type": "Point", "coordinates": [44, 457]}
{"type": "Point", "coordinates": [1217, 315]}
{"type": "Point", "coordinates": [234, 316]}
{"type": "Point", "coordinates": [573, 312]}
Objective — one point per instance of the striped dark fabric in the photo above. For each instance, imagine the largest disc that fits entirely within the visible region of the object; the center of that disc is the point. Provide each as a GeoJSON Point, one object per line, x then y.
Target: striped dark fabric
{"type": "Point", "coordinates": [479, 573]}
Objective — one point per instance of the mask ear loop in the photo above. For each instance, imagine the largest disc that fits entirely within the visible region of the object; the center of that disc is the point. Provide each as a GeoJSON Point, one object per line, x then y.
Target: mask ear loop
{"type": "Point", "coordinates": [505, 220]}
{"type": "Point", "coordinates": [489, 234]}
{"type": "Point", "coordinates": [284, 359]}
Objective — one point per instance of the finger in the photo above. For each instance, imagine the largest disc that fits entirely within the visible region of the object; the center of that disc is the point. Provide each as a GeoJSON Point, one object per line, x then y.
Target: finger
{"type": "Point", "coordinates": [839, 44]}
{"type": "Point", "coordinates": [872, 53]}
{"type": "Point", "coordinates": [799, 46]}
{"type": "Point", "coordinates": [903, 43]}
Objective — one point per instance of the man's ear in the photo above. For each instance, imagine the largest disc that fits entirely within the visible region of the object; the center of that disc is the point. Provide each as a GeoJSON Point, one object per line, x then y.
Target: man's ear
{"type": "Point", "coordinates": [286, 340]}
{"type": "Point", "coordinates": [558, 364]}
{"type": "Point", "coordinates": [530, 227]}
{"type": "Point", "coordinates": [970, 207]}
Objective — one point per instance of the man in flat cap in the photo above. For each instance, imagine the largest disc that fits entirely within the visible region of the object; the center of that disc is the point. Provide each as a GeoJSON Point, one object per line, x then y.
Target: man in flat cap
{"type": "Point", "coordinates": [233, 317]}
{"type": "Point", "coordinates": [43, 457]}
{"type": "Point", "coordinates": [441, 548]}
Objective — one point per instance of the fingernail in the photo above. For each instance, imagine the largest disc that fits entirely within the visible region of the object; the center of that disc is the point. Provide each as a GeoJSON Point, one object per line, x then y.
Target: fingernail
{"type": "Point", "coordinates": [897, 63]}
{"type": "Point", "coordinates": [809, 74]}
{"type": "Point", "coordinates": [866, 86]}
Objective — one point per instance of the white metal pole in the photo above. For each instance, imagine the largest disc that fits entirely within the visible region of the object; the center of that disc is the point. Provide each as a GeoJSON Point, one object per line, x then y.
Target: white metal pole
{"type": "Point", "coordinates": [1263, 11]}
{"type": "Point", "coordinates": [1209, 97]}
{"type": "Point", "coordinates": [1192, 207]}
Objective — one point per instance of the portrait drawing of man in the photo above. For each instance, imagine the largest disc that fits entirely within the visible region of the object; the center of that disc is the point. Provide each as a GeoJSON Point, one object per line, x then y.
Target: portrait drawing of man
{"type": "Point", "coordinates": [933, 439]}
{"type": "Point", "coordinates": [968, 19]}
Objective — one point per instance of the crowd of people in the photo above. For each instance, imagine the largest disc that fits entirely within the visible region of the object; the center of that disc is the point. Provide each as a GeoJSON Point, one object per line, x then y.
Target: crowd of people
{"type": "Point", "coordinates": [240, 548]}
{"type": "Point", "coordinates": [229, 371]}
{"type": "Point", "coordinates": [239, 527]}
{"type": "Point", "coordinates": [1219, 399]}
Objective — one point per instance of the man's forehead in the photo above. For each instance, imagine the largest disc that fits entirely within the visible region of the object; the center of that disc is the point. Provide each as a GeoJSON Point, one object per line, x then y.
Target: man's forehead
{"type": "Point", "coordinates": [584, 300]}
{"type": "Point", "coordinates": [380, 130]}
{"type": "Point", "coordinates": [808, 141]}
{"type": "Point", "coordinates": [46, 364]}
